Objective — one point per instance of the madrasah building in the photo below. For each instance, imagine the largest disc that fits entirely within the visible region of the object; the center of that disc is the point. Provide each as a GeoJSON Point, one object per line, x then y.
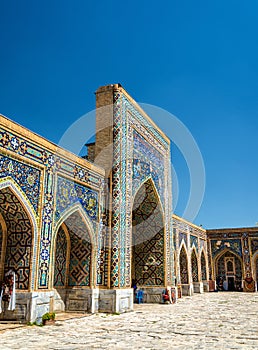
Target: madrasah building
{"type": "Point", "coordinates": [77, 231]}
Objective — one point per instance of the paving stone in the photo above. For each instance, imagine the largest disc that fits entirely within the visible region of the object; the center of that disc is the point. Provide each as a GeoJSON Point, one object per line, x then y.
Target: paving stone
{"type": "Point", "coordinates": [203, 321]}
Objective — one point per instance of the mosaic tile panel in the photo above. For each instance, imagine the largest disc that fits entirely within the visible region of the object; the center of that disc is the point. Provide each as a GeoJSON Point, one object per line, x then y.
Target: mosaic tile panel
{"type": "Point", "coordinates": [54, 162]}
{"type": "Point", "coordinates": [194, 264]}
{"type": "Point", "coordinates": [126, 120]}
{"type": "Point", "coordinates": [27, 177]}
{"type": "Point", "coordinates": [31, 151]}
{"type": "Point", "coordinates": [147, 162]}
{"type": "Point", "coordinates": [80, 261]}
{"type": "Point", "coordinates": [183, 266]}
{"type": "Point", "coordinates": [60, 259]}
{"type": "Point", "coordinates": [246, 255]}
{"type": "Point", "coordinates": [202, 244]}
{"type": "Point", "coordinates": [218, 245]}
{"type": "Point", "coordinates": [149, 261]}
{"type": "Point", "coordinates": [19, 238]}
{"type": "Point", "coordinates": [182, 237]}
{"type": "Point", "coordinates": [194, 242]}
{"type": "Point", "coordinates": [117, 230]}
{"type": "Point", "coordinates": [46, 232]}
{"type": "Point", "coordinates": [254, 245]}
{"type": "Point", "coordinates": [69, 193]}
{"type": "Point", "coordinates": [203, 267]}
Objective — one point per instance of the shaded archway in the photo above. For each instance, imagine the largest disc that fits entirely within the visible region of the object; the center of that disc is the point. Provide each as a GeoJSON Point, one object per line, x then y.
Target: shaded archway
{"type": "Point", "coordinates": [194, 266]}
{"type": "Point", "coordinates": [73, 263]}
{"type": "Point", "coordinates": [203, 267]}
{"type": "Point", "coordinates": [147, 237]}
{"type": "Point", "coordinates": [16, 238]}
{"type": "Point", "coordinates": [62, 257]}
{"type": "Point", "coordinates": [228, 270]}
{"type": "Point", "coordinates": [183, 264]}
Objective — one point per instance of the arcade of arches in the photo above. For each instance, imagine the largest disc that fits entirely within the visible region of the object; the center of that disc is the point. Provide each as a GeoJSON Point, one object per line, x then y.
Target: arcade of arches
{"type": "Point", "coordinates": [76, 234]}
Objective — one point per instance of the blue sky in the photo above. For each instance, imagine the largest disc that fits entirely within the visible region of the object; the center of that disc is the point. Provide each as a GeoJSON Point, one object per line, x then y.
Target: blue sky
{"type": "Point", "coordinates": [195, 59]}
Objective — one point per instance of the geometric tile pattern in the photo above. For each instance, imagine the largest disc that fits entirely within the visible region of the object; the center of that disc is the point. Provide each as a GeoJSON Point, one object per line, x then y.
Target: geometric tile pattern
{"type": "Point", "coordinates": [80, 261]}
{"type": "Point", "coordinates": [134, 137]}
{"type": "Point", "coordinates": [148, 237]}
{"type": "Point", "coordinates": [254, 245]}
{"type": "Point", "coordinates": [69, 192]}
{"type": "Point", "coordinates": [147, 161]}
{"type": "Point", "coordinates": [194, 242]}
{"type": "Point", "coordinates": [194, 264]}
{"type": "Point", "coordinates": [203, 267]}
{"type": "Point", "coordinates": [246, 255]}
{"type": "Point", "coordinates": [182, 237]}
{"type": "Point", "coordinates": [80, 253]}
{"type": "Point", "coordinates": [218, 245]}
{"type": "Point", "coordinates": [26, 176]}
{"type": "Point", "coordinates": [183, 266]}
{"type": "Point", "coordinates": [60, 259]}
{"type": "Point", "coordinates": [19, 237]}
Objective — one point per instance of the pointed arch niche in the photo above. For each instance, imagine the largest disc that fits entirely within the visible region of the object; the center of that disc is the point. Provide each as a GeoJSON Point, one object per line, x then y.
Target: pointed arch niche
{"type": "Point", "coordinates": [17, 231]}
{"type": "Point", "coordinates": [183, 265]}
{"type": "Point", "coordinates": [228, 269]}
{"type": "Point", "coordinates": [73, 261]}
{"type": "Point", "coordinates": [147, 237]}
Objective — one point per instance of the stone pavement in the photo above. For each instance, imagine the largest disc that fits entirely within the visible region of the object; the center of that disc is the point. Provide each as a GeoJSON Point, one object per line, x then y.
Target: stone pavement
{"type": "Point", "coordinates": [207, 321]}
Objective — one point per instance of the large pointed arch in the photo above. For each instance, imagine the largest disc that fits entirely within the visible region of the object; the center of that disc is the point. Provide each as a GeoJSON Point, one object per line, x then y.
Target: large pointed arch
{"type": "Point", "coordinates": [20, 260]}
{"type": "Point", "coordinates": [147, 241]}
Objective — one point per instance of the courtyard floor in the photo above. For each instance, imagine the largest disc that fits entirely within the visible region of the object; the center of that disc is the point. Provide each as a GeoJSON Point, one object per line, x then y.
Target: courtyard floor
{"type": "Point", "coordinates": [211, 320]}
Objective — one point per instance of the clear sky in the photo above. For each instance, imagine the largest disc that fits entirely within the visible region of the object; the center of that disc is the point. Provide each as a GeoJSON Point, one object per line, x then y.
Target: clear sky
{"type": "Point", "coordinates": [195, 59]}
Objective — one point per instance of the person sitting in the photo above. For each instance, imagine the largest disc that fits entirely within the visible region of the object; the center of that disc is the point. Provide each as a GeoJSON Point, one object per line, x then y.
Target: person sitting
{"type": "Point", "coordinates": [166, 296]}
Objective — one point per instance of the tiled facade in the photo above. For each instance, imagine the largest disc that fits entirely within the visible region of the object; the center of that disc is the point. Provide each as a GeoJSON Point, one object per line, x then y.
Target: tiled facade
{"type": "Point", "coordinates": [77, 232]}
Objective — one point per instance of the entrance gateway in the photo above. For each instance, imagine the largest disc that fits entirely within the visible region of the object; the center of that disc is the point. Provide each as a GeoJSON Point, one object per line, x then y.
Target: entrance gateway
{"type": "Point", "coordinates": [77, 231]}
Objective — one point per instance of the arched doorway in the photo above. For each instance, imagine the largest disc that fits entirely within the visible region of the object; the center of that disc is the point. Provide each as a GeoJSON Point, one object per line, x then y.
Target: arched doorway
{"type": "Point", "coordinates": [183, 263]}
{"type": "Point", "coordinates": [16, 239]}
{"type": "Point", "coordinates": [228, 271]}
{"type": "Point", "coordinates": [73, 264]}
{"type": "Point", "coordinates": [147, 268]}
{"type": "Point", "coordinates": [194, 264]}
{"type": "Point", "coordinates": [203, 267]}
